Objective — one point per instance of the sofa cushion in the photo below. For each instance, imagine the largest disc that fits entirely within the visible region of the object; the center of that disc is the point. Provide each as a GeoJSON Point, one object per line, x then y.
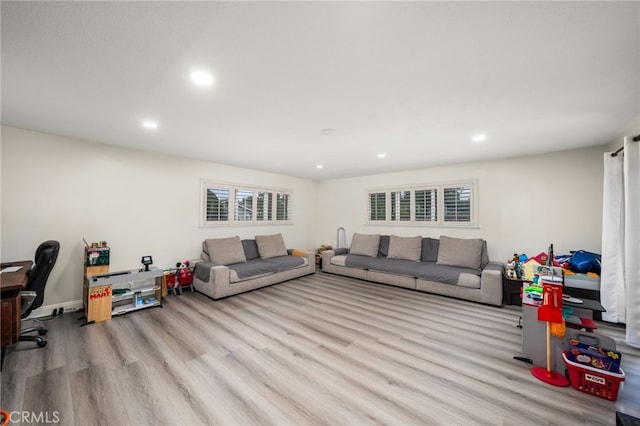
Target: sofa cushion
{"type": "Point", "coordinates": [383, 264]}
{"type": "Point", "coordinates": [407, 248]}
{"type": "Point", "coordinates": [429, 271]}
{"type": "Point", "coordinates": [466, 277]}
{"type": "Point", "coordinates": [262, 267]}
{"type": "Point", "coordinates": [247, 270]}
{"type": "Point", "coordinates": [250, 248]}
{"type": "Point", "coordinates": [204, 255]}
{"type": "Point", "coordinates": [224, 251]}
{"type": "Point", "coordinates": [464, 253]}
{"type": "Point", "coordinates": [383, 248]}
{"type": "Point", "coordinates": [365, 244]}
{"type": "Point", "coordinates": [429, 250]}
{"type": "Point", "coordinates": [271, 246]}
{"type": "Point", "coordinates": [484, 261]}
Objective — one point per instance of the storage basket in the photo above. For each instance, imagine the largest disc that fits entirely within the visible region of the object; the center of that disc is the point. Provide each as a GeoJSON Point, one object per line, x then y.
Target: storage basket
{"type": "Point", "coordinates": [170, 279]}
{"type": "Point", "coordinates": [604, 384]}
{"type": "Point", "coordinates": [185, 277]}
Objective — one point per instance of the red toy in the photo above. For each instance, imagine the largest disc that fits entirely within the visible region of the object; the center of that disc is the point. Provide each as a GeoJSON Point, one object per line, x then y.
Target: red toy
{"type": "Point", "coordinates": [185, 275]}
{"type": "Point", "coordinates": [550, 312]}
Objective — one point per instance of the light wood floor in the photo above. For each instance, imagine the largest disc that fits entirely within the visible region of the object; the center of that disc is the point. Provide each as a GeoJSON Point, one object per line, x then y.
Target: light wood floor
{"type": "Point", "coordinates": [321, 349]}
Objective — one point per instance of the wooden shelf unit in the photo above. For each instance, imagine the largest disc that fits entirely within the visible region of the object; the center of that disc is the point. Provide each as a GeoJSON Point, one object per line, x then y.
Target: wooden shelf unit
{"type": "Point", "coordinates": [100, 301]}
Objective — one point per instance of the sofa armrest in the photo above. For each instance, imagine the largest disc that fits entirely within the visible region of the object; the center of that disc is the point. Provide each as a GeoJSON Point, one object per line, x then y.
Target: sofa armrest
{"type": "Point", "coordinates": [326, 260]}
{"type": "Point", "coordinates": [327, 255]}
{"type": "Point", "coordinates": [311, 258]}
{"type": "Point", "coordinates": [491, 284]}
{"type": "Point", "coordinates": [206, 277]}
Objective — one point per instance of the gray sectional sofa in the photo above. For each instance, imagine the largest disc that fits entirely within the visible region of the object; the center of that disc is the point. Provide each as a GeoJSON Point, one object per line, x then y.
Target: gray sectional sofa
{"type": "Point", "coordinates": [447, 266]}
{"type": "Point", "coordinates": [230, 266]}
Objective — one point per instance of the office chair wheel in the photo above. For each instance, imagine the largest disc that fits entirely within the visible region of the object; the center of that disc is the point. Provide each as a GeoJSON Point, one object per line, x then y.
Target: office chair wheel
{"type": "Point", "coordinates": [42, 332]}
{"type": "Point", "coordinates": [42, 343]}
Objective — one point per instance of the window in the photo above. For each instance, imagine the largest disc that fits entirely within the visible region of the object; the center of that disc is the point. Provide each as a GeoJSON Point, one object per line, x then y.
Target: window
{"type": "Point", "coordinates": [264, 206]}
{"type": "Point", "coordinates": [457, 204]}
{"type": "Point", "coordinates": [217, 208]}
{"type": "Point", "coordinates": [227, 204]}
{"type": "Point", "coordinates": [282, 207]}
{"type": "Point", "coordinates": [244, 205]}
{"type": "Point", "coordinates": [426, 208]}
{"type": "Point", "coordinates": [444, 204]}
{"type": "Point", "coordinates": [377, 206]}
{"type": "Point", "coordinates": [401, 205]}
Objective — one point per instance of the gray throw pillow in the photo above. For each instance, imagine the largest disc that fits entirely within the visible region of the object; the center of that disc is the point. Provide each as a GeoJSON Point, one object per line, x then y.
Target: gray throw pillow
{"type": "Point", "coordinates": [408, 248]}
{"type": "Point", "coordinates": [485, 255]}
{"type": "Point", "coordinates": [429, 249]}
{"type": "Point", "coordinates": [464, 253]}
{"type": "Point", "coordinates": [204, 255]}
{"type": "Point", "coordinates": [250, 249]}
{"type": "Point", "coordinates": [271, 246]}
{"type": "Point", "coordinates": [225, 251]}
{"type": "Point", "coordinates": [365, 244]}
{"type": "Point", "coordinates": [383, 249]}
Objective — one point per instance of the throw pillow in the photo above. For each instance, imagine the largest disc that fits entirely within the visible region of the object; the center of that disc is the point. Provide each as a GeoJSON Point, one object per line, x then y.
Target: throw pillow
{"type": "Point", "coordinates": [225, 251]}
{"type": "Point", "coordinates": [250, 249]}
{"type": "Point", "coordinates": [485, 255]}
{"type": "Point", "coordinates": [429, 249]}
{"type": "Point", "coordinates": [271, 246]}
{"type": "Point", "coordinates": [408, 248]}
{"type": "Point", "coordinates": [383, 250]}
{"type": "Point", "coordinates": [204, 255]}
{"type": "Point", "coordinates": [464, 253]}
{"type": "Point", "coordinates": [365, 244]}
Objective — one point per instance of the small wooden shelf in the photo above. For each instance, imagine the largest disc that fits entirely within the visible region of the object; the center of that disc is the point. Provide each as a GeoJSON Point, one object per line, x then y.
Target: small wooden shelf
{"type": "Point", "coordinates": [123, 309]}
{"type": "Point", "coordinates": [131, 293]}
{"type": "Point", "coordinates": [102, 304]}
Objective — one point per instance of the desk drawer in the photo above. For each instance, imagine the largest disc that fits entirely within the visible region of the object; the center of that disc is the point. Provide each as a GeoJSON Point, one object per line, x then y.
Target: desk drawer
{"type": "Point", "coordinates": [10, 313]}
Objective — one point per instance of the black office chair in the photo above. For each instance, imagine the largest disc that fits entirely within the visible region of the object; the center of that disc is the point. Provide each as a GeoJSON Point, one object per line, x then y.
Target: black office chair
{"type": "Point", "coordinates": [33, 294]}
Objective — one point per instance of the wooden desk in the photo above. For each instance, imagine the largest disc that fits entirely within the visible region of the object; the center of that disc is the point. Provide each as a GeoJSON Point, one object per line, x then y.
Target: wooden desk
{"type": "Point", "coordinates": [11, 283]}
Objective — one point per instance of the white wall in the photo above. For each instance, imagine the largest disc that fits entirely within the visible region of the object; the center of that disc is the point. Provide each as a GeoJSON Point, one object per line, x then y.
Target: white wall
{"type": "Point", "coordinates": [146, 203]}
{"type": "Point", "coordinates": [141, 203]}
{"type": "Point", "coordinates": [525, 203]}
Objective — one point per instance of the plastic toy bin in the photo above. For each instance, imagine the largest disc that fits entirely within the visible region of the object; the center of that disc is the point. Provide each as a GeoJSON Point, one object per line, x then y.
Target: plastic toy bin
{"type": "Point", "coordinates": [170, 280]}
{"type": "Point", "coordinates": [604, 384]}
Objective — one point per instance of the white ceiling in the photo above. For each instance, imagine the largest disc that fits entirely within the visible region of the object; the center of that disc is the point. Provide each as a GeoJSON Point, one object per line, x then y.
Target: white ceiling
{"type": "Point", "coordinates": [415, 80]}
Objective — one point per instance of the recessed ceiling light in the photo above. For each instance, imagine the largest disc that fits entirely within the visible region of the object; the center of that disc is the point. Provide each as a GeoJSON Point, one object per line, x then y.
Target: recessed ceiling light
{"type": "Point", "coordinates": [382, 155]}
{"type": "Point", "coordinates": [327, 131]}
{"type": "Point", "coordinates": [148, 124]}
{"type": "Point", "coordinates": [479, 138]}
{"type": "Point", "coordinates": [202, 78]}
{"type": "Point", "coordinates": [319, 166]}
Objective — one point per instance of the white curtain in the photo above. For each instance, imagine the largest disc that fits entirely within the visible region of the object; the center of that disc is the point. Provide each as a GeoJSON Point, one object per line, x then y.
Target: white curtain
{"type": "Point", "coordinates": [620, 279]}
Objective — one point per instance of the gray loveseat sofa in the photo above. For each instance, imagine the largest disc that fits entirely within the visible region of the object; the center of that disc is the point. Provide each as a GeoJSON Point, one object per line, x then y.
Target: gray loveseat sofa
{"type": "Point", "coordinates": [449, 266]}
{"type": "Point", "coordinates": [230, 266]}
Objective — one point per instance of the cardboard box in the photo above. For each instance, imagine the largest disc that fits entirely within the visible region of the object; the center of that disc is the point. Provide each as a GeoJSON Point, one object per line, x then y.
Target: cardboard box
{"type": "Point", "coordinates": [97, 256]}
{"type": "Point", "coordinates": [594, 356]}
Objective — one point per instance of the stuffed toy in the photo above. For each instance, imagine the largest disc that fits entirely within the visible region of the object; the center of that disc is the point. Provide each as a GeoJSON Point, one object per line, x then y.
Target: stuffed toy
{"type": "Point", "coordinates": [185, 276]}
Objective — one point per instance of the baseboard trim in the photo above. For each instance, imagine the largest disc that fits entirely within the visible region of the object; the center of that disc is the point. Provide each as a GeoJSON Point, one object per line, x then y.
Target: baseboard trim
{"type": "Point", "coordinates": [45, 311]}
